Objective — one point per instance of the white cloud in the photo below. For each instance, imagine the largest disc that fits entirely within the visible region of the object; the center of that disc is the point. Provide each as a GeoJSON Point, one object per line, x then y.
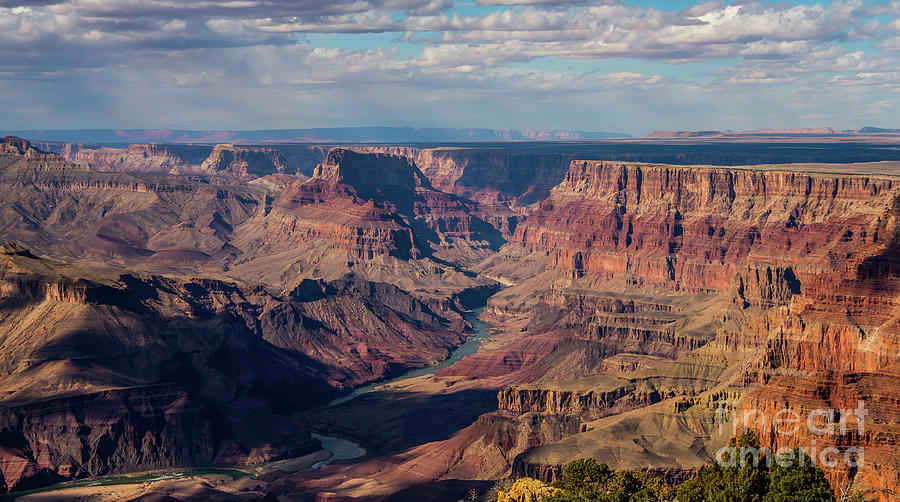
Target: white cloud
{"type": "Point", "coordinates": [166, 51]}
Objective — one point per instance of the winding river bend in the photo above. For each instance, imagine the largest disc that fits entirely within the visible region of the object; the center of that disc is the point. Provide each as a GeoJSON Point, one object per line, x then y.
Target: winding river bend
{"type": "Point", "coordinates": [343, 449]}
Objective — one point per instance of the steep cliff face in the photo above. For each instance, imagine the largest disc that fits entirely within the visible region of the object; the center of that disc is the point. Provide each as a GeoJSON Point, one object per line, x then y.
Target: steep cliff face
{"type": "Point", "coordinates": [836, 350]}
{"type": "Point", "coordinates": [693, 229]}
{"type": "Point", "coordinates": [764, 286]}
{"type": "Point", "coordinates": [396, 183]}
{"type": "Point", "coordinates": [112, 374]}
{"type": "Point", "coordinates": [381, 176]}
{"type": "Point", "coordinates": [302, 159]}
{"type": "Point", "coordinates": [148, 427]}
{"type": "Point", "coordinates": [244, 161]}
{"type": "Point", "coordinates": [502, 179]}
{"type": "Point", "coordinates": [142, 158]}
{"type": "Point", "coordinates": [368, 218]}
{"type": "Point", "coordinates": [15, 146]}
{"type": "Point", "coordinates": [489, 448]}
{"type": "Point", "coordinates": [587, 406]}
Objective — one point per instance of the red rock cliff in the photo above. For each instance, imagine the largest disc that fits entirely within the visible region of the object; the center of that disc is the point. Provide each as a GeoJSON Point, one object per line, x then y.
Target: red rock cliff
{"type": "Point", "coordinates": [696, 228]}
{"type": "Point", "coordinates": [375, 204]}
{"type": "Point", "coordinates": [803, 268]}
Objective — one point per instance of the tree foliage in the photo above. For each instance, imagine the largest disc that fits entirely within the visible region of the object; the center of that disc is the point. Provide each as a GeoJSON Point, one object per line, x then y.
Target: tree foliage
{"type": "Point", "coordinates": [585, 480]}
{"type": "Point", "coordinates": [801, 481]}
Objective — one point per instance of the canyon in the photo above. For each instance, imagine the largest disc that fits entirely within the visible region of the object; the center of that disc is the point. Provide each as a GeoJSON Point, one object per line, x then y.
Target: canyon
{"type": "Point", "coordinates": [170, 305]}
{"type": "Point", "coordinates": [778, 288]}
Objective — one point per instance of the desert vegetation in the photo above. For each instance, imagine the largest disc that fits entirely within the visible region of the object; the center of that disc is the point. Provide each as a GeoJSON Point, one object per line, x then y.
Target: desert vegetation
{"type": "Point", "coordinates": [745, 472]}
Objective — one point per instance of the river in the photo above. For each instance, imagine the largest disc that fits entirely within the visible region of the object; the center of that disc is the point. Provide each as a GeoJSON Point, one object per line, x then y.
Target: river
{"type": "Point", "coordinates": [343, 449]}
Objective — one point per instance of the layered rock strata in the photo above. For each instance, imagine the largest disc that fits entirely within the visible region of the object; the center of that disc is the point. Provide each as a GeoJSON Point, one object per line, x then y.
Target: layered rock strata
{"type": "Point", "coordinates": [141, 158]}
{"type": "Point", "coordinates": [791, 281]}
{"type": "Point", "coordinates": [109, 372]}
{"type": "Point", "coordinates": [245, 161]}
{"type": "Point", "coordinates": [377, 215]}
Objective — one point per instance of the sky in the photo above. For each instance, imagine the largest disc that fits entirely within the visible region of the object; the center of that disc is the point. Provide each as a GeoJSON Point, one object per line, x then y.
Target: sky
{"type": "Point", "coordinates": [591, 65]}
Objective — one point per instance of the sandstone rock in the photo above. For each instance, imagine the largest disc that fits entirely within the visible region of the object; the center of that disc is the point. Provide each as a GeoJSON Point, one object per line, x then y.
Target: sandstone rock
{"type": "Point", "coordinates": [16, 146]}
{"type": "Point", "coordinates": [690, 228]}
{"type": "Point", "coordinates": [244, 161]}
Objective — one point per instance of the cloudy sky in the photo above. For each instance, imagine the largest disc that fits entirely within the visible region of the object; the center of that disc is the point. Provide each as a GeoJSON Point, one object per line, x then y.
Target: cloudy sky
{"type": "Point", "coordinates": [600, 65]}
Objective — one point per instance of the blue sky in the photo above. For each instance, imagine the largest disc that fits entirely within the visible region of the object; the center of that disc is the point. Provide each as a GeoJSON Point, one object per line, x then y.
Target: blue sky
{"type": "Point", "coordinates": [601, 65]}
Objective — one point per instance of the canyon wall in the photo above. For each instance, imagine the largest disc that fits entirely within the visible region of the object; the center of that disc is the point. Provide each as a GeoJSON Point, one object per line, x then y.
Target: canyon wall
{"type": "Point", "coordinates": [694, 229]}
{"type": "Point", "coordinates": [773, 288]}
{"type": "Point", "coordinates": [375, 214]}
{"type": "Point", "coordinates": [141, 158]}
{"type": "Point", "coordinates": [492, 178]}
{"type": "Point", "coordinates": [239, 160]}
{"type": "Point", "coordinates": [245, 161]}
{"type": "Point", "coordinates": [835, 352]}
{"type": "Point", "coordinates": [642, 300]}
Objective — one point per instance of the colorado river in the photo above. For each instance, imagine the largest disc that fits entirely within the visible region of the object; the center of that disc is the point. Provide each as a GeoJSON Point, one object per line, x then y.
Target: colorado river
{"type": "Point", "coordinates": [343, 449]}
{"type": "Point", "coordinates": [340, 449]}
{"type": "Point", "coordinates": [470, 347]}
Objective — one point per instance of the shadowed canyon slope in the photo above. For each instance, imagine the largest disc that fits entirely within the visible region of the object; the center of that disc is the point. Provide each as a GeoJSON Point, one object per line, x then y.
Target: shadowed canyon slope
{"type": "Point", "coordinates": [107, 371]}
{"type": "Point", "coordinates": [642, 301]}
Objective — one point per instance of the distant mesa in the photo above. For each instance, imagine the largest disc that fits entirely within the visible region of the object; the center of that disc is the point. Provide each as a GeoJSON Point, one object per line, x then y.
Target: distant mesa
{"type": "Point", "coordinates": [314, 135]}
{"type": "Point", "coordinates": [805, 131]}
{"type": "Point", "coordinates": [878, 130]}
{"type": "Point", "coordinates": [243, 160]}
{"type": "Point", "coordinates": [683, 134]}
